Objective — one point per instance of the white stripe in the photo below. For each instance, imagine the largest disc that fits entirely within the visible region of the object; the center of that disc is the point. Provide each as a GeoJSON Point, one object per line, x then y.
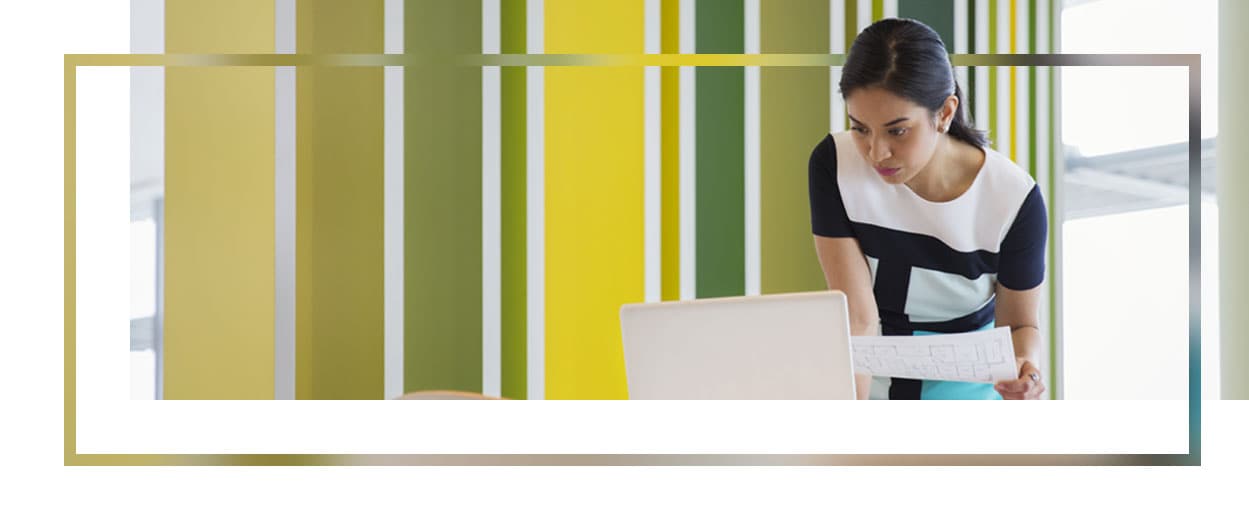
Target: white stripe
{"type": "Point", "coordinates": [687, 161]}
{"type": "Point", "coordinates": [889, 8]}
{"type": "Point", "coordinates": [1022, 123]}
{"type": "Point", "coordinates": [284, 206]}
{"type": "Point", "coordinates": [392, 35]}
{"type": "Point", "coordinates": [491, 198]}
{"type": "Point", "coordinates": [754, 253]}
{"type": "Point", "coordinates": [863, 14]}
{"type": "Point", "coordinates": [836, 45]}
{"type": "Point", "coordinates": [284, 26]}
{"type": "Point", "coordinates": [392, 207]}
{"type": "Point", "coordinates": [981, 103]}
{"type": "Point", "coordinates": [960, 47]}
{"type": "Point", "coordinates": [535, 218]}
{"type": "Point", "coordinates": [1003, 79]}
{"type": "Point", "coordinates": [652, 157]}
{"type": "Point", "coordinates": [147, 146]}
{"type": "Point", "coordinates": [1043, 173]}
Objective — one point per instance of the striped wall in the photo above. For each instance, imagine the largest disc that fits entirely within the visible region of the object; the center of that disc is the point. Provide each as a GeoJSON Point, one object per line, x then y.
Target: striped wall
{"type": "Point", "coordinates": [219, 199]}
{"type": "Point", "coordinates": [339, 218]}
{"type": "Point", "coordinates": [477, 229]}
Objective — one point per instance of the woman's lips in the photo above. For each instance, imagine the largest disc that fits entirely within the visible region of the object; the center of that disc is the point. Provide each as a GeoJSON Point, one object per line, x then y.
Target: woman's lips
{"type": "Point", "coordinates": [888, 172]}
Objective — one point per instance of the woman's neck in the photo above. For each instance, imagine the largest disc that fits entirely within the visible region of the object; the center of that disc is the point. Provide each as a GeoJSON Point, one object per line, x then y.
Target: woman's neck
{"type": "Point", "coordinates": [949, 173]}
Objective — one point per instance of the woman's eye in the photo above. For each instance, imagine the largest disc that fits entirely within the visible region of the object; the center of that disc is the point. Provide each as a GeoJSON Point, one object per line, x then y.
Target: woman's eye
{"type": "Point", "coordinates": [897, 132]}
{"type": "Point", "coordinates": [859, 129]}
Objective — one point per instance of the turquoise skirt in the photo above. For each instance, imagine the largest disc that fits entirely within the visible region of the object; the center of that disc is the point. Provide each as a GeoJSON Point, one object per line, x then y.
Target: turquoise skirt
{"type": "Point", "coordinates": [949, 390]}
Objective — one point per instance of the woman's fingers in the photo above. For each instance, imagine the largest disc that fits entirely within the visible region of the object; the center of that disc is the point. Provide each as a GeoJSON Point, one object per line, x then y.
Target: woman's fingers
{"type": "Point", "coordinates": [1023, 388]}
{"type": "Point", "coordinates": [1020, 385]}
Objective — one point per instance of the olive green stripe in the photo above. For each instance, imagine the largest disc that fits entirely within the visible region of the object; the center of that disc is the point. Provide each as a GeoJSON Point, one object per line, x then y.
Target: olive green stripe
{"type": "Point", "coordinates": [794, 106]}
{"type": "Point", "coordinates": [514, 316]}
{"type": "Point", "coordinates": [339, 337]}
{"type": "Point", "coordinates": [442, 200]}
{"type": "Point", "coordinates": [852, 23]}
{"type": "Point", "coordinates": [720, 183]}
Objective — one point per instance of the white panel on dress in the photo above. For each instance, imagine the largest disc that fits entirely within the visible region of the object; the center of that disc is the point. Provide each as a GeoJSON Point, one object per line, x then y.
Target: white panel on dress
{"type": "Point", "coordinates": [935, 296]}
{"type": "Point", "coordinates": [976, 220]}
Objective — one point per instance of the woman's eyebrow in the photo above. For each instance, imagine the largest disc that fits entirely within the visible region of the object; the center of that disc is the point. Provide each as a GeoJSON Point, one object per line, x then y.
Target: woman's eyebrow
{"type": "Point", "coordinates": [890, 123]}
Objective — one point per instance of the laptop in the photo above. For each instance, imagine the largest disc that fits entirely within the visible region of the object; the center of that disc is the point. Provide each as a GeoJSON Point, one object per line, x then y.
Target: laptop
{"type": "Point", "coordinates": [785, 346]}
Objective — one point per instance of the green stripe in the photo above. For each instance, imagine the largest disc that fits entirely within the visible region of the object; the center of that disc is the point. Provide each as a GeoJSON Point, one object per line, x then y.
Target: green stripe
{"type": "Point", "coordinates": [794, 107]}
{"type": "Point", "coordinates": [720, 184]}
{"type": "Point", "coordinates": [878, 10]}
{"type": "Point", "coordinates": [442, 200]}
{"type": "Point", "coordinates": [938, 14]}
{"type": "Point", "coordinates": [339, 218]}
{"type": "Point", "coordinates": [515, 372]}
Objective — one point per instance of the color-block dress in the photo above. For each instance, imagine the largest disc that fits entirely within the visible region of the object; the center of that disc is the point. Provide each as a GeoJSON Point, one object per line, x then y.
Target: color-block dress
{"type": "Point", "coordinates": [934, 265]}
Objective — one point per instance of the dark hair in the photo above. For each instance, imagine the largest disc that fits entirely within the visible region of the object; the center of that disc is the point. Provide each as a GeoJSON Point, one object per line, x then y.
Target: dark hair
{"type": "Point", "coordinates": [908, 59]}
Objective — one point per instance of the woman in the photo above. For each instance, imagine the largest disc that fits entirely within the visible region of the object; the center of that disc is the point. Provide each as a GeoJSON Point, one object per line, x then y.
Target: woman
{"type": "Point", "coordinates": [925, 228]}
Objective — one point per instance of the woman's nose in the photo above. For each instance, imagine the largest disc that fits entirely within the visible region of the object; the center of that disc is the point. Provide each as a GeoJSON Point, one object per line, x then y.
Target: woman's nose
{"type": "Point", "coordinates": [878, 152]}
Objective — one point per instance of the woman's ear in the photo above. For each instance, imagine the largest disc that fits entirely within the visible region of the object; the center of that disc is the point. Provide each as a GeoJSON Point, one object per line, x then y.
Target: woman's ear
{"type": "Point", "coordinates": [948, 110]}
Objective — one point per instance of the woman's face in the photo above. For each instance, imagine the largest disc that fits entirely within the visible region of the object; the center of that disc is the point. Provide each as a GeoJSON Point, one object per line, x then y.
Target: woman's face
{"type": "Point", "coordinates": [895, 135]}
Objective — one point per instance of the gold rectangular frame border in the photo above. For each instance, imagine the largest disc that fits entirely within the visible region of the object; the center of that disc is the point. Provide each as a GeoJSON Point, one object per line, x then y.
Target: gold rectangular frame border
{"type": "Point", "coordinates": [1192, 62]}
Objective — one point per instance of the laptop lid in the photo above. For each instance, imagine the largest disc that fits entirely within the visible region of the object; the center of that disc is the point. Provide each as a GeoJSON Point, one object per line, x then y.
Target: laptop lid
{"type": "Point", "coordinates": [785, 346]}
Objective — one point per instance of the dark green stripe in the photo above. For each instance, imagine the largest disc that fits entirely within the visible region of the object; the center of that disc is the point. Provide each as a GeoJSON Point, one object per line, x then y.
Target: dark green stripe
{"type": "Point", "coordinates": [794, 117]}
{"type": "Point", "coordinates": [442, 200]}
{"type": "Point", "coordinates": [515, 372]}
{"type": "Point", "coordinates": [339, 217]}
{"type": "Point", "coordinates": [720, 182]}
{"type": "Point", "coordinates": [938, 14]}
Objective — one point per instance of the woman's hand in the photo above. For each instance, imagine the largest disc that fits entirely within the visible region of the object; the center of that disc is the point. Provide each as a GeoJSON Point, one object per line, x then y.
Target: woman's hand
{"type": "Point", "coordinates": [1027, 387]}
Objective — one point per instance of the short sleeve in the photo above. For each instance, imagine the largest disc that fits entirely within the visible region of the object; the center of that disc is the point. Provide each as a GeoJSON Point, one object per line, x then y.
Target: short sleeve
{"type": "Point", "coordinates": [1021, 265]}
{"type": "Point", "coordinates": [828, 213]}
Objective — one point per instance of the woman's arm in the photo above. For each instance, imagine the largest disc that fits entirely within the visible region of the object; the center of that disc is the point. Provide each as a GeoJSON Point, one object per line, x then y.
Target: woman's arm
{"type": "Point", "coordinates": [845, 269]}
{"type": "Point", "coordinates": [1018, 310]}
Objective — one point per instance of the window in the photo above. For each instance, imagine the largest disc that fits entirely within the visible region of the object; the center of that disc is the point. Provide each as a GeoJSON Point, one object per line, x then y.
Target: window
{"type": "Point", "coordinates": [144, 282]}
{"type": "Point", "coordinates": [1124, 202]}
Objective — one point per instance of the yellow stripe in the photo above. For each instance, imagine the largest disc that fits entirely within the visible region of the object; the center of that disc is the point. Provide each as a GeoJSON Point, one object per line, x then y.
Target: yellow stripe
{"type": "Point", "coordinates": [670, 127]}
{"type": "Point", "coordinates": [1014, 108]}
{"type": "Point", "coordinates": [594, 196]}
{"type": "Point", "coordinates": [218, 341]}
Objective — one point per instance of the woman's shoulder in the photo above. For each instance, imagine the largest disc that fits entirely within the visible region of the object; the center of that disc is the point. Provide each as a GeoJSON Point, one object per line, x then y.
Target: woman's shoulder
{"type": "Point", "coordinates": [832, 150]}
{"type": "Point", "coordinates": [826, 149]}
{"type": "Point", "coordinates": [1004, 177]}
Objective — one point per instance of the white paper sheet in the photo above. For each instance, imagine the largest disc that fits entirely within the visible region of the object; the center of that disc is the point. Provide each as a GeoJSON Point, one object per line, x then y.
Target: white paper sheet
{"type": "Point", "coordinates": [987, 356]}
